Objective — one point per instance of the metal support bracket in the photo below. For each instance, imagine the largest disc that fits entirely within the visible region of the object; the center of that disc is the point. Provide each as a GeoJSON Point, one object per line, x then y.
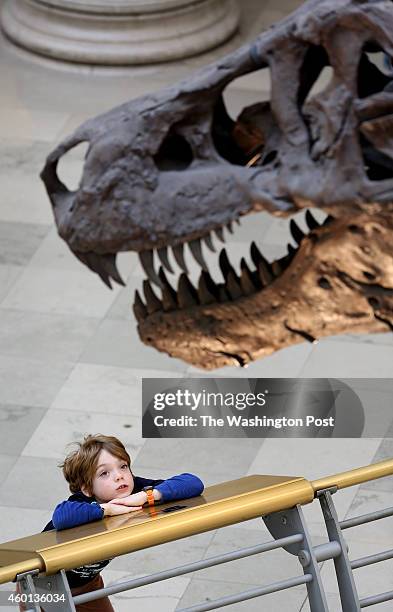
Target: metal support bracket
{"type": "Point", "coordinates": [331, 490]}
{"type": "Point", "coordinates": [53, 592]}
{"type": "Point", "coordinates": [26, 585]}
{"type": "Point", "coordinates": [289, 522]}
{"type": "Point", "coordinates": [346, 584]}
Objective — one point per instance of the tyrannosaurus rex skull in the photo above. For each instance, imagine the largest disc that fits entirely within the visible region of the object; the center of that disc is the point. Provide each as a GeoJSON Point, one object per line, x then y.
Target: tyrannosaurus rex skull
{"type": "Point", "coordinates": [171, 167]}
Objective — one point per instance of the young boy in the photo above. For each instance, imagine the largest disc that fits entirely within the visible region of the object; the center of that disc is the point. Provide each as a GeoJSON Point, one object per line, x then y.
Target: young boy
{"type": "Point", "coordinates": [102, 484]}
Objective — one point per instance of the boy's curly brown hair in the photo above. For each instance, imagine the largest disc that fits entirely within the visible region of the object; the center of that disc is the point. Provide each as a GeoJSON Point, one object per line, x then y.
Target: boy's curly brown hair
{"type": "Point", "coordinates": [80, 465]}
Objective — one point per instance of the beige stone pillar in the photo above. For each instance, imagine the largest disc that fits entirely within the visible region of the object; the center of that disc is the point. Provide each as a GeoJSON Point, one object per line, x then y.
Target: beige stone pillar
{"type": "Point", "coordinates": [119, 32]}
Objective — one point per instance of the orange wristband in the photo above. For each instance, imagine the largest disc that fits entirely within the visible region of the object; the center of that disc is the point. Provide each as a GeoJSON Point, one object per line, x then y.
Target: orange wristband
{"type": "Point", "coordinates": [150, 496]}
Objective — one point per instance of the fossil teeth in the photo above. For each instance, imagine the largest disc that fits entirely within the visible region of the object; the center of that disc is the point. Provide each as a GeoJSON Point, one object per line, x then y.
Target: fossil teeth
{"type": "Point", "coordinates": [296, 232]}
{"type": "Point", "coordinates": [262, 265]}
{"type": "Point", "coordinates": [286, 260]}
{"type": "Point", "coordinates": [207, 289]}
{"type": "Point", "coordinates": [209, 243]}
{"type": "Point", "coordinates": [109, 263]}
{"type": "Point", "coordinates": [222, 294]}
{"type": "Point", "coordinates": [163, 255]}
{"type": "Point", "coordinates": [169, 296]}
{"type": "Point", "coordinates": [140, 310]}
{"type": "Point", "coordinates": [256, 255]}
{"type": "Point", "coordinates": [291, 249]}
{"type": "Point", "coordinates": [277, 269]}
{"type": "Point", "coordinates": [231, 281]}
{"type": "Point", "coordinates": [246, 281]}
{"type": "Point", "coordinates": [186, 293]}
{"type": "Point", "coordinates": [95, 263]}
{"type": "Point", "coordinates": [232, 285]}
{"type": "Point", "coordinates": [311, 221]}
{"type": "Point", "coordinates": [196, 250]}
{"type": "Point", "coordinates": [82, 257]}
{"type": "Point", "coordinates": [220, 234]}
{"type": "Point", "coordinates": [147, 262]}
{"type": "Point", "coordinates": [152, 302]}
{"type": "Point", "coordinates": [179, 257]}
{"type": "Point", "coordinates": [230, 227]}
{"type": "Point", "coordinates": [264, 274]}
{"type": "Point", "coordinates": [98, 266]}
{"type": "Point", "coordinates": [225, 264]}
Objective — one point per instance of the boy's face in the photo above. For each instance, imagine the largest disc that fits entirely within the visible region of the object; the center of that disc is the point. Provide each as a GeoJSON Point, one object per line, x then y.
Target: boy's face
{"type": "Point", "coordinates": [112, 478]}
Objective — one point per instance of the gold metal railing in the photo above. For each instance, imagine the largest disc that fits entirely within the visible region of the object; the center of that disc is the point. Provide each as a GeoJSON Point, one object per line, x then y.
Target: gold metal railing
{"type": "Point", "coordinates": [220, 505]}
{"type": "Point", "coordinates": [355, 477]}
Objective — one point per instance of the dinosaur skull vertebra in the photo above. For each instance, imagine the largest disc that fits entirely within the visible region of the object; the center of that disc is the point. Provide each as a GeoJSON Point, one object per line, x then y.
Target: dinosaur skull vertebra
{"type": "Point", "coordinates": [171, 167]}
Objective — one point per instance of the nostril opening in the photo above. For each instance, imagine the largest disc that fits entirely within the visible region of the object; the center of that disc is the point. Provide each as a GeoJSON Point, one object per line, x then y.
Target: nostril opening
{"type": "Point", "coordinates": [70, 166]}
{"type": "Point", "coordinates": [175, 153]}
{"type": "Point", "coordinates": [369, 275]}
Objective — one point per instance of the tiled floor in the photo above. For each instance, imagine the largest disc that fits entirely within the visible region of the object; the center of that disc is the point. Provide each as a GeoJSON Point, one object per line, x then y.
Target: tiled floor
{"type": "Point", "coordinates": [71, 361]}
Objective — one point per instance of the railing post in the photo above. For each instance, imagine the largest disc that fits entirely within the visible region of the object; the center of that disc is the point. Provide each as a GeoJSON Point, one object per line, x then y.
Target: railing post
{"type": "Point", "coordinates": [54, 592]}
{"type": "Point", "coordinates": [346, 583]}
{"type": "Point", "coordinates": [26, 586]}
{"type": "Point", "coordinates": [288, 522]}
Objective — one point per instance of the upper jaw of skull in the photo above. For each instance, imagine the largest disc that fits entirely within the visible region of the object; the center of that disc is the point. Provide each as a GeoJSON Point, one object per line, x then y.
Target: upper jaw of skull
{"type": "Point", "coordinates": [170, 167]}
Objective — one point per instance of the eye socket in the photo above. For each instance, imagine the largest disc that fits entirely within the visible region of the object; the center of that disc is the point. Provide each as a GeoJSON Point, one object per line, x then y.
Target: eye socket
{"type": "Point", "coordinates": [124, 466]}
{"type": "Point", "coordinates": [104, 473]}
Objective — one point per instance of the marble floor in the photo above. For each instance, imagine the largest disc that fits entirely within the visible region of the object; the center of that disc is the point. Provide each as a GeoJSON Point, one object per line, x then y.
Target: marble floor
{"type": "Point", "coordinates": [71, 361]}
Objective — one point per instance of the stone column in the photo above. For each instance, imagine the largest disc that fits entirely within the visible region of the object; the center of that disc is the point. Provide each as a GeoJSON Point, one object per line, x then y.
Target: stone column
{"type": "Point", "coordinates": [119, 32]}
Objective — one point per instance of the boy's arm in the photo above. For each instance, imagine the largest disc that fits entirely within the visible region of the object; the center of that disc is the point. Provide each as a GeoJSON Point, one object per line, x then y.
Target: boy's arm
{"type": "Point", "coordinates": [182, 486]}
{"type": "Point", "coordinates": [177, 487]}
{"type": "Point", "coordinates": [73, 513]}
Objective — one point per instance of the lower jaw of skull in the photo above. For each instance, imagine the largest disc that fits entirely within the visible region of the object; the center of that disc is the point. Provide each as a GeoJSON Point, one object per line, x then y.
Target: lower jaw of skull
{"type": "Point", "coordinates": [329, 285]}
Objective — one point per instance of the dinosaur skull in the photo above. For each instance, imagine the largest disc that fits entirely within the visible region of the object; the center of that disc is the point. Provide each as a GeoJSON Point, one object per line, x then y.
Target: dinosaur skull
{"type": "Point", "coordinates": [172, 167]}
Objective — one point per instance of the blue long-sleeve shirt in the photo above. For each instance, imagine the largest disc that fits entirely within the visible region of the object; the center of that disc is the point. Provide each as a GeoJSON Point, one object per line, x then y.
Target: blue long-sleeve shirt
{"type": "Point", "coordinates": [80, 509]}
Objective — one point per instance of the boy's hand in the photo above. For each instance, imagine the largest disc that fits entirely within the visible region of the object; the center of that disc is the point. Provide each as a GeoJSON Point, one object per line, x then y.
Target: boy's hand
{"type": "Point", "coordinates": [137, 499]}
{"type": "Point", "coordinates": [112, 509]}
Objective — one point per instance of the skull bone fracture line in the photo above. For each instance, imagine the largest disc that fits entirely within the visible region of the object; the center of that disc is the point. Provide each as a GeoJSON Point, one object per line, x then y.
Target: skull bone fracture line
{"type": "Point", "coordinates": [172, 168]}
